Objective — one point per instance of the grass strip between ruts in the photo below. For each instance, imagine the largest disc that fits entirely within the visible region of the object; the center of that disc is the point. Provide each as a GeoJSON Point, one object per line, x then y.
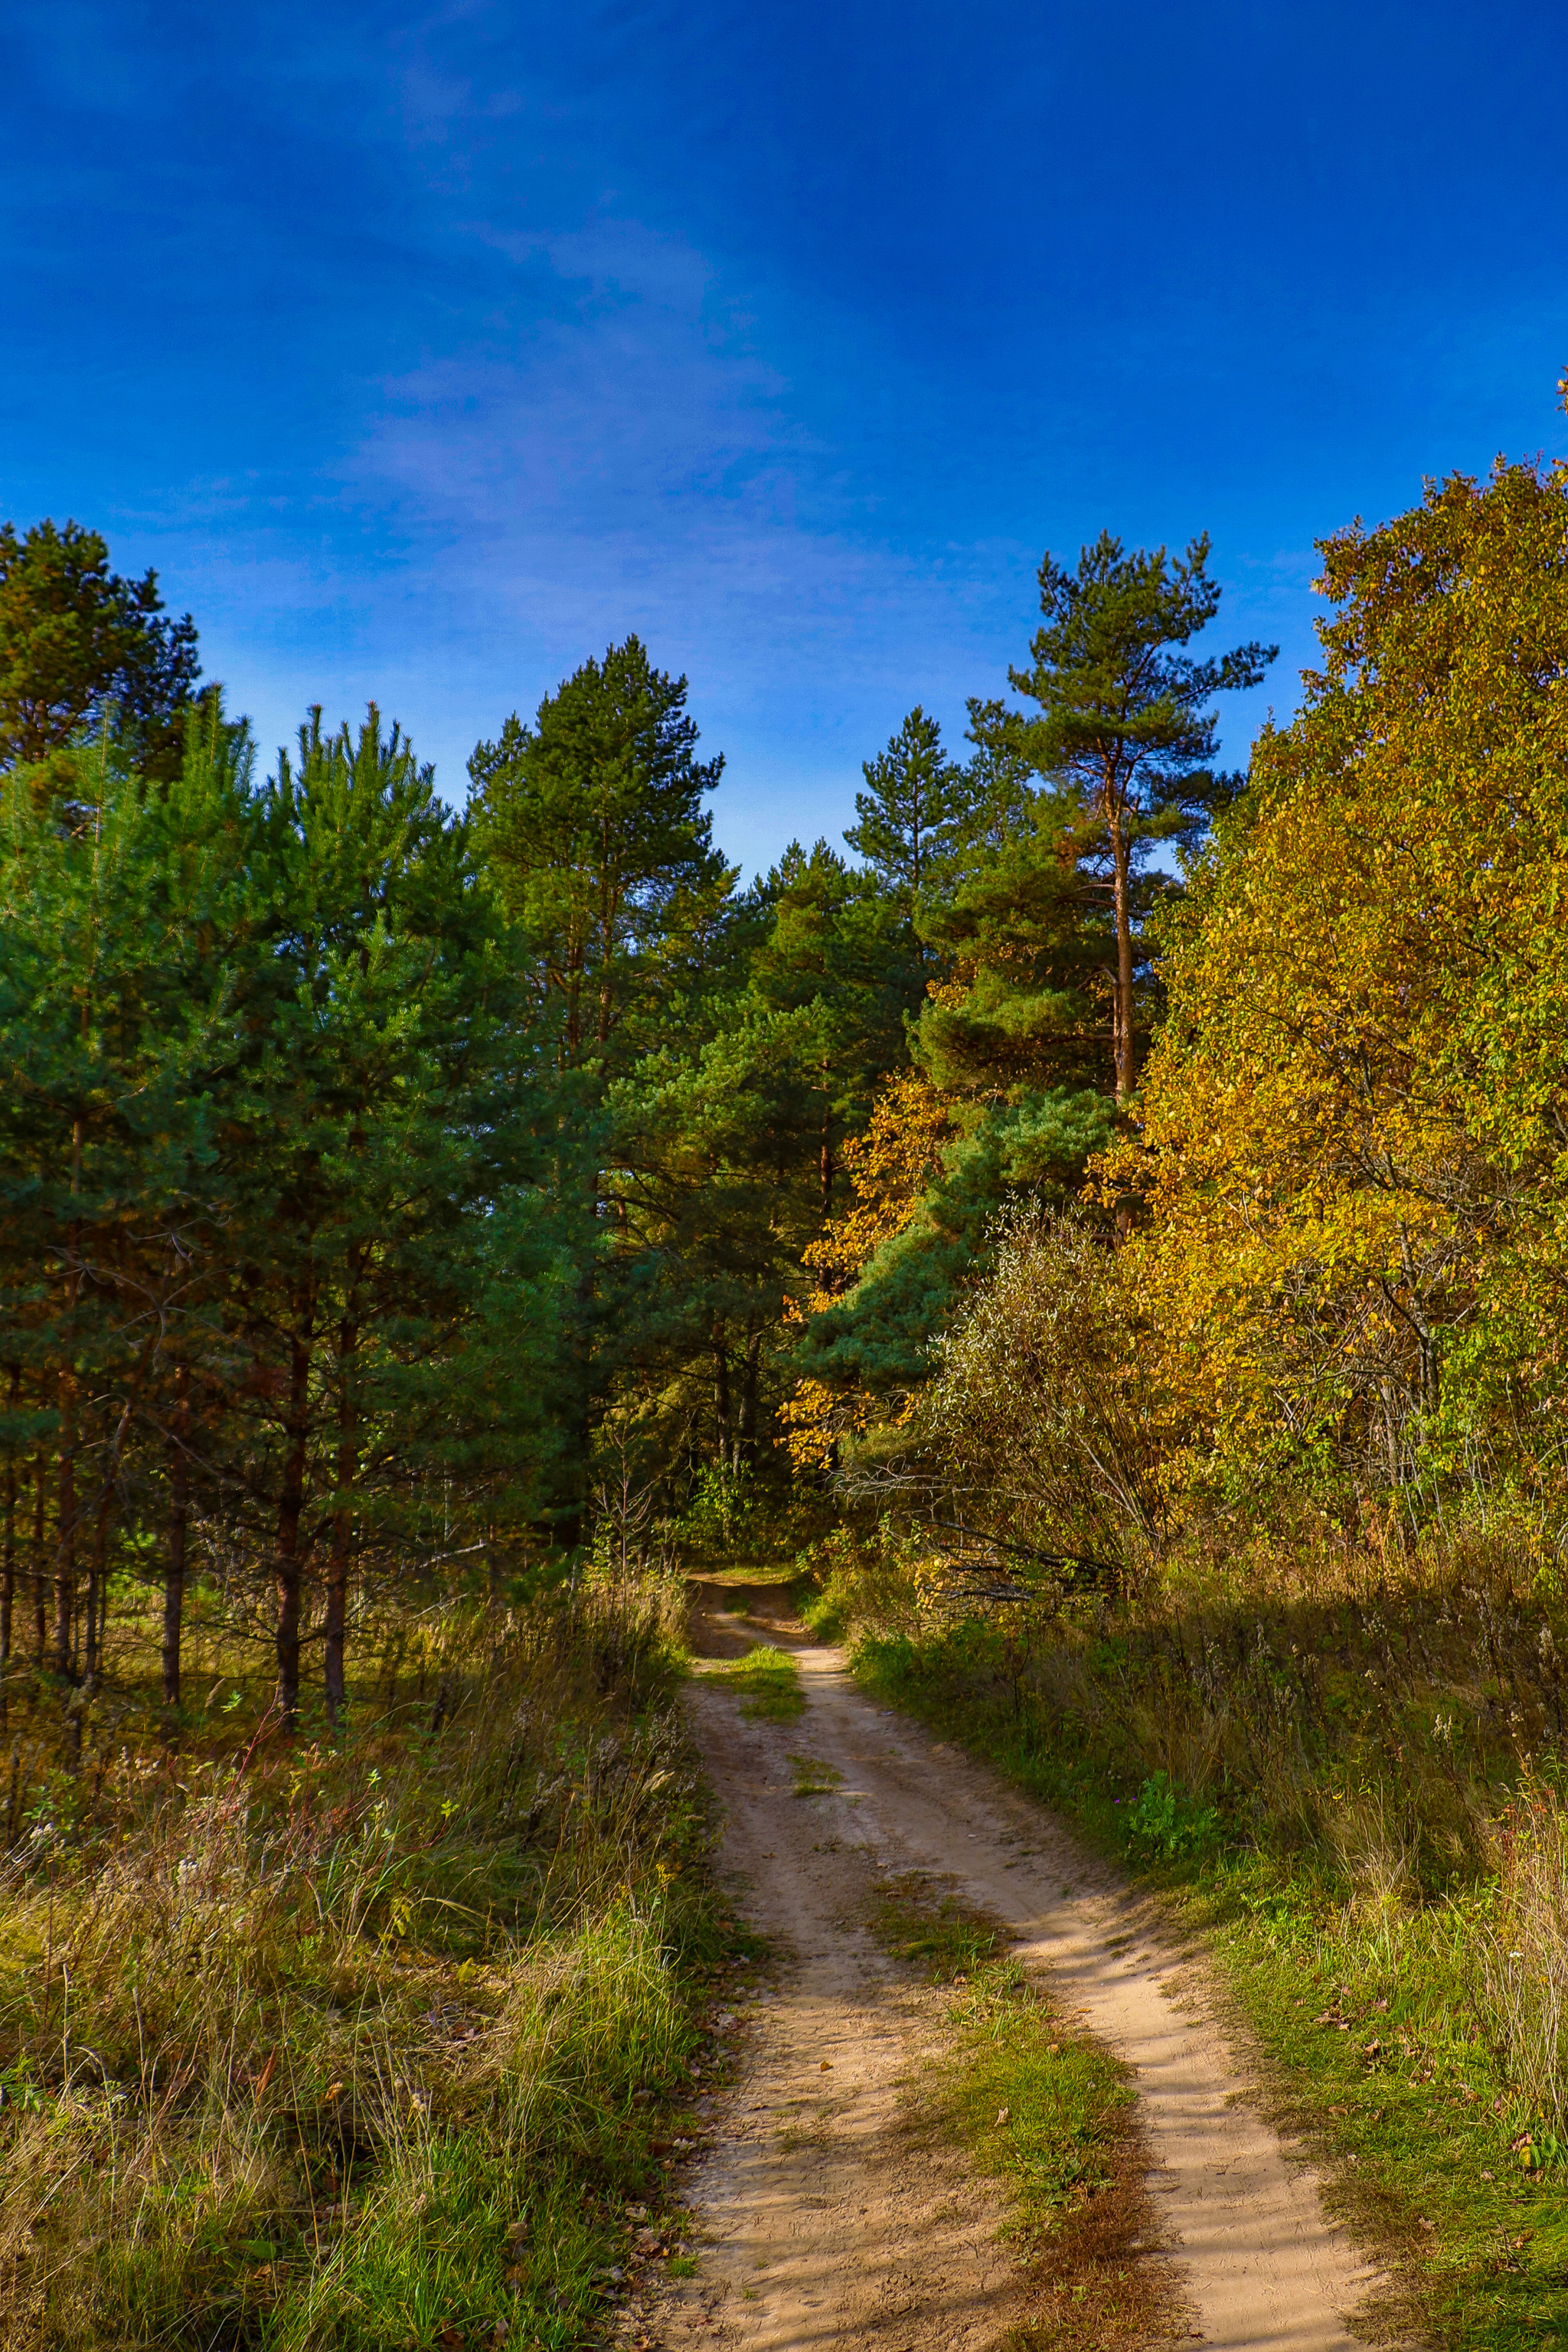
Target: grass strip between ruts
{"type": "Point", "coordinates": [1049, 2112]}
{"type": "Point", "coordinates": [767, 1682]}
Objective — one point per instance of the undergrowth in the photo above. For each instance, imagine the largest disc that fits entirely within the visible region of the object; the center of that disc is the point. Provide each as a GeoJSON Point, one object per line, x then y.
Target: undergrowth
{"type": "Point", "coordinates": [366, 2045]}
{"type": "Point", "coordinates": [1353, 1787]}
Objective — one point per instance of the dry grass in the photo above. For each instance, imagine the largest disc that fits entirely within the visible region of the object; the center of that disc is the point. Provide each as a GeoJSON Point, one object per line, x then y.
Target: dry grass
{"type": "Point", "coordinates": [1522, 1951]}
{"type": "Point", "coordinates": [304, 2044]}
{"type": "Point", "coordinates": [1351, 1759]}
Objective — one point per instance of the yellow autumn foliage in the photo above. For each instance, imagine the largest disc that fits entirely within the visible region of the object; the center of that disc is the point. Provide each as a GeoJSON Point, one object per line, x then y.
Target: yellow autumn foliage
{"type": "Point", "coordinates": [888, 1167]}
{"type": "Point", "coordinates": [1350, 1165]}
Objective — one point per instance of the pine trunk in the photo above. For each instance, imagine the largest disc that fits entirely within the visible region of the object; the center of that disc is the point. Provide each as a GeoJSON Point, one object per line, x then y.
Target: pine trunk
{"type": "Point", "coordinates": [1123, 1021]}
{"type": "Point", "coordinates": [179, 1519]}
{"type": "Point", "coordinates": [97, 1590]}
{"type": "Point", "coordinates": [342, 1533]}
{"type": "Point", "coordinates": [41, 1574]}
{"type": "Point", "coordinates": [722, 1391]}
{"type": "Point", "coordinates": [748, 1443]}
{"type": "Point", "coordinates": [8, 1562]}
{"type": "Point", "coordinates": [65, 1531]}
{"type": "Point", "coordinates": [290, 1508]}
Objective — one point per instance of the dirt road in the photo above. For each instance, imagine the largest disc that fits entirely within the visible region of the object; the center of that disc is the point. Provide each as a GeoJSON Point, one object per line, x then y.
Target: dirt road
{"type": "Point", "coordinates": [825, 2218]}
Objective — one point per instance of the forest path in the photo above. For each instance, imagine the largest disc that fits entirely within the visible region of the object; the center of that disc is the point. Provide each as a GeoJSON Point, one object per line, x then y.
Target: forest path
{"type": "Point", "coordinates": [828, 2218]}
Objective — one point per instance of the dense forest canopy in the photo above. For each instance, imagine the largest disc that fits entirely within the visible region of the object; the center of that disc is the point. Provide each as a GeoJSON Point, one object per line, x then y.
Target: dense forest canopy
{"type": "Point", "coordinates": [393, 1195]}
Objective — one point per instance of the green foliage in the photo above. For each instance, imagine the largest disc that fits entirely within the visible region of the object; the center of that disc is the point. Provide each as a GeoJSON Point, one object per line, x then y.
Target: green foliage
{"type": "Point", "coordinates": [726, 1513]}
{"type": "Point", "coordinates": [83, 651]}
{"type": "Point", "coordinates": [591, 823]}
{"type": "Point", "coordinates": [1125, 728]}
{"type": "Point", "coordinates": [277, 1154]}
{"type": "Point", "coordinates": [1167, 1821]}
{"type": "Point", "coordinates": [854, 1578]}
{"type": "Point", "coordinates": [1114, 698]}
{"type": "Point", "coordinates": [913, 1284]}
{"type": "Point", "coordinates": [1028, 947]}
{"type": "Point", "coordinates": [916, 806]}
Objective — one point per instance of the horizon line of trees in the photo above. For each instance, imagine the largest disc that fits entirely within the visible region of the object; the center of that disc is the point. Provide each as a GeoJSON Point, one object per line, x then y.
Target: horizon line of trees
{"type": "Point", "coordinates": [371, 1174]}
{"type": "Point", "coordinates": [381, 1186]}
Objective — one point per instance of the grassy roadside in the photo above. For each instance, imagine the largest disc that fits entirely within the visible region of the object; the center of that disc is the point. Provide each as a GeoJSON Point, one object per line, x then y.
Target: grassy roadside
{"type": "Point", "coordinates": [1047, 2112]}
{"type": "Point", "coordinates": [381, 2044]}
{"type": "Point", "coordinates": [1361, 1990]}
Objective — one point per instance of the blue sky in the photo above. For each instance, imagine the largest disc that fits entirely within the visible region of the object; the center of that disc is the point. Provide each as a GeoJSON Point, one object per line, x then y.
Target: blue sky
{"type": "Point", "coordinates": [424, 350]}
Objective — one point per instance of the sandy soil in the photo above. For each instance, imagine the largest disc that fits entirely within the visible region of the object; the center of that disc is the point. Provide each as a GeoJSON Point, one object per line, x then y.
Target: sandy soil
{"type": "Point", "coordinates": [827, 2217]}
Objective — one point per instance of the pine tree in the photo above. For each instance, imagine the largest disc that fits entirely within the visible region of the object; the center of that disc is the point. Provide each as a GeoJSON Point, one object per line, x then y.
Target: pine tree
{"type": "Point", "coordinates": [1125, 723]}
{"type": "Point", "coordinates": [913, 813]}
{"type": "Point", "coordinates": [591, 826]}
{"type": "Point", "coordinates": [105, 1036]}
{"type": "Point", "coordinates": [81, 648]}
{"type": "Point", "coordinates": [385, 1102]}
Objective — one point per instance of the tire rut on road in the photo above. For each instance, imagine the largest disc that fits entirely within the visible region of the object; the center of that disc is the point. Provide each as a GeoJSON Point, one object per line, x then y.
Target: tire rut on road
{"type": "Point", "coordinates": [828, 2220]}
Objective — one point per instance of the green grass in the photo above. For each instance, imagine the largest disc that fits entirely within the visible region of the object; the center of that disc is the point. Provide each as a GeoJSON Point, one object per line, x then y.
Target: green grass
{"type": "Point", "coordinates": [770, 1574]}
{"type": "Point", "coordinates": [1063, 2097]}
{"type": "Point", "coordinates": [767, 1682]}
{"type": "Point", "coordinates": [1410, 2106]}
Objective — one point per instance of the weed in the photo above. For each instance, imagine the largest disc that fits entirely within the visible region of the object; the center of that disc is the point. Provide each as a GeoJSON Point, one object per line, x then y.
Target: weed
{"type": "Point", "coordinates": [1167, 1821]}
{"type": "Point", "coordinates": [813, 1778]}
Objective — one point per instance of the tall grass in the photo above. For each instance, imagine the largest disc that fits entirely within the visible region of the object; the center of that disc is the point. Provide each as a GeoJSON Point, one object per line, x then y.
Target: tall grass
{"type": "Point", "coordinates": [354, 2044]}
{"type": "Point", "coordinates": [1523, 1950]}
{"type": "Point", "coordinates": [1393, 1721]}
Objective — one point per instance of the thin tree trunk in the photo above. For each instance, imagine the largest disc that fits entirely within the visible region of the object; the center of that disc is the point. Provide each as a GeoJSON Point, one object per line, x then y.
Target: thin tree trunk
{"type": "Point", "coordinates": [291, 1505]}
{"type": "Point", "coordinates": [40, 1577]}
{"type": "Point", "coordinates": [343, 1530]}
{"type": "Point", "coordinates": [96, 1584]}
{"type": "Point", "coordinates": [1123, 1038]}
{"type": "Point", "coordinates": [721, 1390]}
{"type": "Point", "coordinates": [8, 1563]}
{"type": "Point", "coordinates": [179, 1520]}
{"type": "Point", "coordinates": [748, 1444]}
{"type": "Point", "coordinates": [65, 1530]}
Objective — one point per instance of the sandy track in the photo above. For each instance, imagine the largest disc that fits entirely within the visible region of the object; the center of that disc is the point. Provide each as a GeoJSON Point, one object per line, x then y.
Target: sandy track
{"type": "Point", "coordinates": [825, 2222]}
